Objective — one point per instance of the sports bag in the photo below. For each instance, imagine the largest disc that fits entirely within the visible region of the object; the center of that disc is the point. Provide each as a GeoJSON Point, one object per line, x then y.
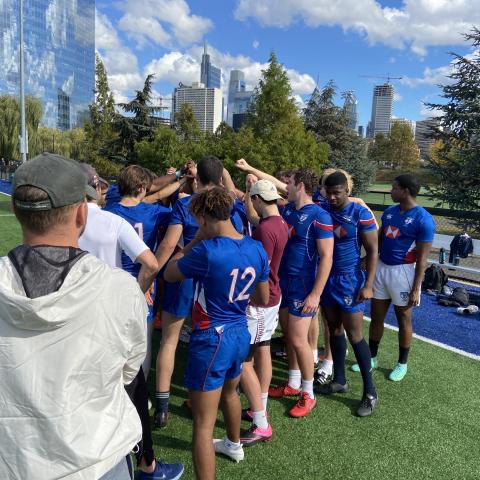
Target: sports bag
{"type": "Point", "coordinates": [435, 278]}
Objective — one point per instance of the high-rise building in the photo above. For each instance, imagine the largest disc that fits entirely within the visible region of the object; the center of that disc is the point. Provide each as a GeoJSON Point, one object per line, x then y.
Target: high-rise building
{"type": "Point", "coordinates": [210, 75]}
{"type": "Point", "coordinates": [424, 135]}
{"type": "Point", "coordinates": [360, 131]}
{"type": "Point", "coordinates": [59, 56]}
{"type": "Point", "coordinates": [239, 99]}
{"type": "Point", "coordinates": [206, 104]}
{"type": "Point", "coordinates": [350, 106]}
{"type": "Point", "coordinates": [381, 110]}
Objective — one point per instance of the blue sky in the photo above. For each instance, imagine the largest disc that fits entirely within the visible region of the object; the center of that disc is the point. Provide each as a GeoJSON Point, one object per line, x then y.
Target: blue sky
{"type": "Point", "coordinates": [314, 39]}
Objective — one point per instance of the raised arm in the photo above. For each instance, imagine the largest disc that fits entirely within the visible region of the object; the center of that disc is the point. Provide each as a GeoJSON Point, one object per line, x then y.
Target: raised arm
{"type": "Point", "coordinates": [245, 167]}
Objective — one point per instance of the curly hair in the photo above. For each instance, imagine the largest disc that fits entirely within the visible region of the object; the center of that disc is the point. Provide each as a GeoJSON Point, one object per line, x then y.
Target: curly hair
{"type": "Point", "coordinates": [309, 179]}
{"type": "Point", "coordinates": [214, 202]}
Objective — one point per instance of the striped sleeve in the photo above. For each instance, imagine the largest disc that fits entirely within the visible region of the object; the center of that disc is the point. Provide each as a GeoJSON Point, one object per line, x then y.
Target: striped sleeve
{"type": "Point", "coordinates": [366, 222]}
{"type": "Point", "coordinates": [323, 225]}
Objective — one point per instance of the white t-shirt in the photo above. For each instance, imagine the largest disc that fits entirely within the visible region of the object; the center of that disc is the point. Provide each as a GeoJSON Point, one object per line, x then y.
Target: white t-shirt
{"type": "Point", "coordinates": [107, 234]}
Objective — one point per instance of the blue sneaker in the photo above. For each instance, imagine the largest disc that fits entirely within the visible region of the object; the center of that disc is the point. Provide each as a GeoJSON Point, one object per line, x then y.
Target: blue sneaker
{"type": "Point", "coordinates": [163, 471]}
{"type": "Point", "coordinates": [398, 372]}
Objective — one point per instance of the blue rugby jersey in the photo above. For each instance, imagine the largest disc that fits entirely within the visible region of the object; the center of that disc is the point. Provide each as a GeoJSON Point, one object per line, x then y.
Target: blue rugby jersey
{"type": "Point", "coordinates": [401, 231]}
{"type": "Point", "coordinates": [147, 220]}
{"type": "Point", "coordinates": [225, 272]}
{"type": "Point", "coordinates": [347, 225]}
{"type": "Point", "coordinates": [305, 227]}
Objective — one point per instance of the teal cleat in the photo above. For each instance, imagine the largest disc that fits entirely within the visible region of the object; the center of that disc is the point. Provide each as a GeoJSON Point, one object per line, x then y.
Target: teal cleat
{"type": "Point", "coordinates": [398, 372]}
{"type": "Point", "coordinates": [374, 363]}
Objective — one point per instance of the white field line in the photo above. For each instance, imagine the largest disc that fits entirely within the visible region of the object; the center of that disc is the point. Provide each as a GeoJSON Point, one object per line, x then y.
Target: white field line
{"type": "Point", "coordinates": [433, 342]}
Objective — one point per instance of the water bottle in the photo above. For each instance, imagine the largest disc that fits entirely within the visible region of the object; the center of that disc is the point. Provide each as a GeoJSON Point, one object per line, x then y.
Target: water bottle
{"type": "Point", "coordinates": [441, 256]}
{"type": "Point", "coordinates": [456, 259]}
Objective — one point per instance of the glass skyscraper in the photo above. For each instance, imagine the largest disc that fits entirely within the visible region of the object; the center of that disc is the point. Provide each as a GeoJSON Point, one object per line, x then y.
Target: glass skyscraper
{"type": "Point", "coordinates": [381, 110]}
{"type": "Point", "coordinates": [351, 109]}
{"type": "Point", "coordinates": [210, 75]}
{"type": "Point", "coordinates": [59, 56]}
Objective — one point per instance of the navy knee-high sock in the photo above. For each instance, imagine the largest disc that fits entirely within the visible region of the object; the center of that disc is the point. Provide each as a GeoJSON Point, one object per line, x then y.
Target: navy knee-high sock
{"type": "Point", "coordinates": [362, 354]}
{"type": "Point", "coordinates": [338, 345]}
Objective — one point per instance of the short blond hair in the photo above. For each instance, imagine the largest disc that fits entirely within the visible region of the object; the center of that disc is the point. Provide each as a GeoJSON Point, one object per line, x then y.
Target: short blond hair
{"type": "Point", "coordinates": [329, 171]}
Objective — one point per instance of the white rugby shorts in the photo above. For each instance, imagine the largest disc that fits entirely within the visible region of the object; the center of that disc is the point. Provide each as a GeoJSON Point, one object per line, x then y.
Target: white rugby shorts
{"type": "Point", "coordinates": [262, 322]}
{"type": "Point", "coordinates": [394, 282]}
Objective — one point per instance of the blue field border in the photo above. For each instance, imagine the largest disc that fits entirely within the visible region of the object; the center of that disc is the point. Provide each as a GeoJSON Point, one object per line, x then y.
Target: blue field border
{"type": "Point", "coordinates": [5, 187]}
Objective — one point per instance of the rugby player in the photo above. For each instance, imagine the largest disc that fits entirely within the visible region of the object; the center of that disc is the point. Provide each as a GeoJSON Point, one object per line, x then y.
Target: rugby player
{"type": "Point", "coordinates": [271, 230]}
{"type": "Point", "coordinates": [226, 267]}
{"type": "Point", "coordinates": [305, 268]}
{"type": "Point", "coordinates": [178, 297]}
{"type": "Point", "coordinates": [405, 239]}
{"type": "Point", "coordinates": [347, 289]}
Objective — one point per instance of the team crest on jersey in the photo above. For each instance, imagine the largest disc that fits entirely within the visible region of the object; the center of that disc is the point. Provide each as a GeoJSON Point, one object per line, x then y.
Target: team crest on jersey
{"type": "Point", "coordinates": [408, 220]}
{"type": "Point", "coordinates": [297, 304]}
{"type": "Point", "coordinates": [392, 232]}
{"type": "Point", "coordinates": [348, 301]}
{"type": "Point", "coordinates": [404, 296]}
{"type": "Point", "coordinates": [389, 216]}
{"type": "Point", "coordinates": [302, 218]}
{"type": "Point", "coordinates": [339, 231]}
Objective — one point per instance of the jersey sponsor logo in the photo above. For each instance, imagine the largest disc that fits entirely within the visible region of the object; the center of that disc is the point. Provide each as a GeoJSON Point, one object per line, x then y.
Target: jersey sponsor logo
{"type": "Point", "coordinates": [339, 231]}
{"type": "Point", "coordinates": [291, 231]}
{"type": "Point", "coordinates": [392, 232]}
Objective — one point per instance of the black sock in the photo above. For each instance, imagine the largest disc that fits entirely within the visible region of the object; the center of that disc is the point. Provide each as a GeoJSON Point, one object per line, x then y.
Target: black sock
{"type": "Point", "coordinates": [373, 345]}
{"type": "Point", "coordinates": [338, 345]}
{"type": "Point", "coordinates": [161, 401]}
{"type": "Point", "coordinates": [362, 354]}
{"type": "Point", "coordinates": [403, 355]}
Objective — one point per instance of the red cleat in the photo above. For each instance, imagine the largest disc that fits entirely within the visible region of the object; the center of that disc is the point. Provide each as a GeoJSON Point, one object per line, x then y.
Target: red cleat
{"type": "Point", "coordinates": [283, 390]}
{"type": "Point", "coordinates": [304, 406]}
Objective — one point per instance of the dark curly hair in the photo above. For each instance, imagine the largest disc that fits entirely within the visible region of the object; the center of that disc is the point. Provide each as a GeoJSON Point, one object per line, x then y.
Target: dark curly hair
{"type": "Point", "coordinates": [214, 202]}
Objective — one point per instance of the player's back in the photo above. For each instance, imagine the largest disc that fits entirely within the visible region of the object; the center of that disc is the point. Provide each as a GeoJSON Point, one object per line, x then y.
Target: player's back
{"type": "Point", "coordinates": [233, 267]}
{"type": "Point", "coordinates": [146, 219]}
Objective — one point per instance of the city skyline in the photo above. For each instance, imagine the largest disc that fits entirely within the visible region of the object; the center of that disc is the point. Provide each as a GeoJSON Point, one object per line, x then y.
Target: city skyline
{"type": "Point", "coordinates": [314, 39]}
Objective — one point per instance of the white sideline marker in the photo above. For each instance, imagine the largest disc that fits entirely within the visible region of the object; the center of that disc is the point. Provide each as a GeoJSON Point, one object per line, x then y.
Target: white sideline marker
{"type": "Point", "coordinates": [434, 342]}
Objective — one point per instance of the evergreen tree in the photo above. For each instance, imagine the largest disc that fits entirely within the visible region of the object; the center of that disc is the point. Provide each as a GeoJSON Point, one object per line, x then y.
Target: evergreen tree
{"type": "Point", "coordinates": [457, 160]}
{"type": "Point", "coordinates": [346, 150]}
{"type": "Point", "coordinates": [102, 111]}
{"type": "Point", "coordinates": [276, 124]}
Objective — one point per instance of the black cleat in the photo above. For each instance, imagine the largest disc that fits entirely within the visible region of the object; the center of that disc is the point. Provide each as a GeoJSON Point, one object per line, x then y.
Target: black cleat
{"type": "Point", "coordinates": [161, 419]}
{"type": "Point", "coordinates": [367, 405]}
{"type": "Point", "coordinates": [329, 388]}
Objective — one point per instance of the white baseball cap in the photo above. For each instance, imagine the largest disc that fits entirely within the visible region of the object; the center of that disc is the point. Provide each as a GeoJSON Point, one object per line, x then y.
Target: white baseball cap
{"type": "Point", "coordinates": [265, 189]}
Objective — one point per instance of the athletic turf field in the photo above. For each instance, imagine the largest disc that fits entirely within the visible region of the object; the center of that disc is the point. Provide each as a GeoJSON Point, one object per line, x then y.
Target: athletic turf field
{"type": "Point", "coordinates": [427, 426]}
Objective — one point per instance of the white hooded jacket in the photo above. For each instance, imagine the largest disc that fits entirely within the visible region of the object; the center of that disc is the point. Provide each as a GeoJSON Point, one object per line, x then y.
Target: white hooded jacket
{"type": "Point", "coordinates": [64, 360]}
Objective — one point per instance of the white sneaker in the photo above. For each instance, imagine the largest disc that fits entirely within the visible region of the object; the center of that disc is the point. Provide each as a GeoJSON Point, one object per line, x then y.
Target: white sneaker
{"type": "Point", "coordinates": [236, 454]}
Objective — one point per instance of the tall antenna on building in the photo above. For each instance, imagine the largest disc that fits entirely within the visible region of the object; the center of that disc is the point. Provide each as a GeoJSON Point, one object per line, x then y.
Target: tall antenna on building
{"type": "Point", "coordinates": [23, 134]}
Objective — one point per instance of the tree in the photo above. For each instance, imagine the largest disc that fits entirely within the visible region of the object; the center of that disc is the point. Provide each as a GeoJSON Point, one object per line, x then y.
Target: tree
{"type": "Point", "coordinates": [402, 151]}
{"type": "Point", "coordinates": [346, 150]}
{"type": "Point", "coordinates": [276, 124]}
{"type": "Point", "coordinates": [378, 150]}
{"type": "Point", "coordinates": [139, 124]}
{"type": "Point", "coordinates": [457, 161]}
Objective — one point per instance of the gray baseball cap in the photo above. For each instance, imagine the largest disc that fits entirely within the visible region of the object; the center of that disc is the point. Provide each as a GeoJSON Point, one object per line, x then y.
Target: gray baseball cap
{"type": "Point", "coordinates": [62, 180]}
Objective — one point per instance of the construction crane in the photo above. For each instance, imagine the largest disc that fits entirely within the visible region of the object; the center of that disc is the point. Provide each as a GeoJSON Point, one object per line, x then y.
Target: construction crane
{"type": "Point", "coordinates": [387, 77]}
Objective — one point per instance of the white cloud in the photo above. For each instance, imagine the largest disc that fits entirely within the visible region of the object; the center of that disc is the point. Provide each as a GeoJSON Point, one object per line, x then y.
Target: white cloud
{"type": "Point", "coordinates": [417, 24]}
{"type": "Point", "coordinates": [162, 22]}
{"type": "Point", "coordinates": [397, 97]}
{"type": "Point", "coordinates": [425, 112]}
{"type": "Point", "coordinates": [120, 62]}
{"type": "Point", "coordinates": [255, 44]}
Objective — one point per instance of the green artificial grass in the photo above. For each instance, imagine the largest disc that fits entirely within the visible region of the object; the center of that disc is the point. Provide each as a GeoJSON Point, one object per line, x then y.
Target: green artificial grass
{"type": "Point", "coordinates": [426, 427]}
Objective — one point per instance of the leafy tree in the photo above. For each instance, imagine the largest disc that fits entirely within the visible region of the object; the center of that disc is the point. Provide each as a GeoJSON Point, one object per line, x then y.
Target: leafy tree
{"type": "Point", "coordinates": [378, 150]}
{"type": "Point", "coordinates": [346, 150]}
{"type": "Point", "coordinates": [402, 151]}
{"type": "Point", "coordinates": [457, 161]}
{"type": "Point", "coordinates": [275, 121]}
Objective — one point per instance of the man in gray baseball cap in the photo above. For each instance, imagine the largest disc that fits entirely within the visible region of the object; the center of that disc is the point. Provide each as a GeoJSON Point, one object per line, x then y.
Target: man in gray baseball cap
{"type": "Point", "coordinates": [61, 309]}
{"type": "Point", "coordinates": [62, 180]}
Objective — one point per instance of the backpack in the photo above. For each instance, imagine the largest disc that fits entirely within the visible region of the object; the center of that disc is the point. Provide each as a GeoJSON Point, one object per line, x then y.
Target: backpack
{"type": "Point", "coordinates": [461, 296]}
{"type": "Point", "coordinates": [435, 278]}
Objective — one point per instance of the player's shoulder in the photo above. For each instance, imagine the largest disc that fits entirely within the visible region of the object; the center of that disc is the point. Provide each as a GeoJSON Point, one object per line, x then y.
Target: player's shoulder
{"type": "Point", "coordinates": [390, 212]}
{"type": "Point", "coordinates": [423, 212]}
